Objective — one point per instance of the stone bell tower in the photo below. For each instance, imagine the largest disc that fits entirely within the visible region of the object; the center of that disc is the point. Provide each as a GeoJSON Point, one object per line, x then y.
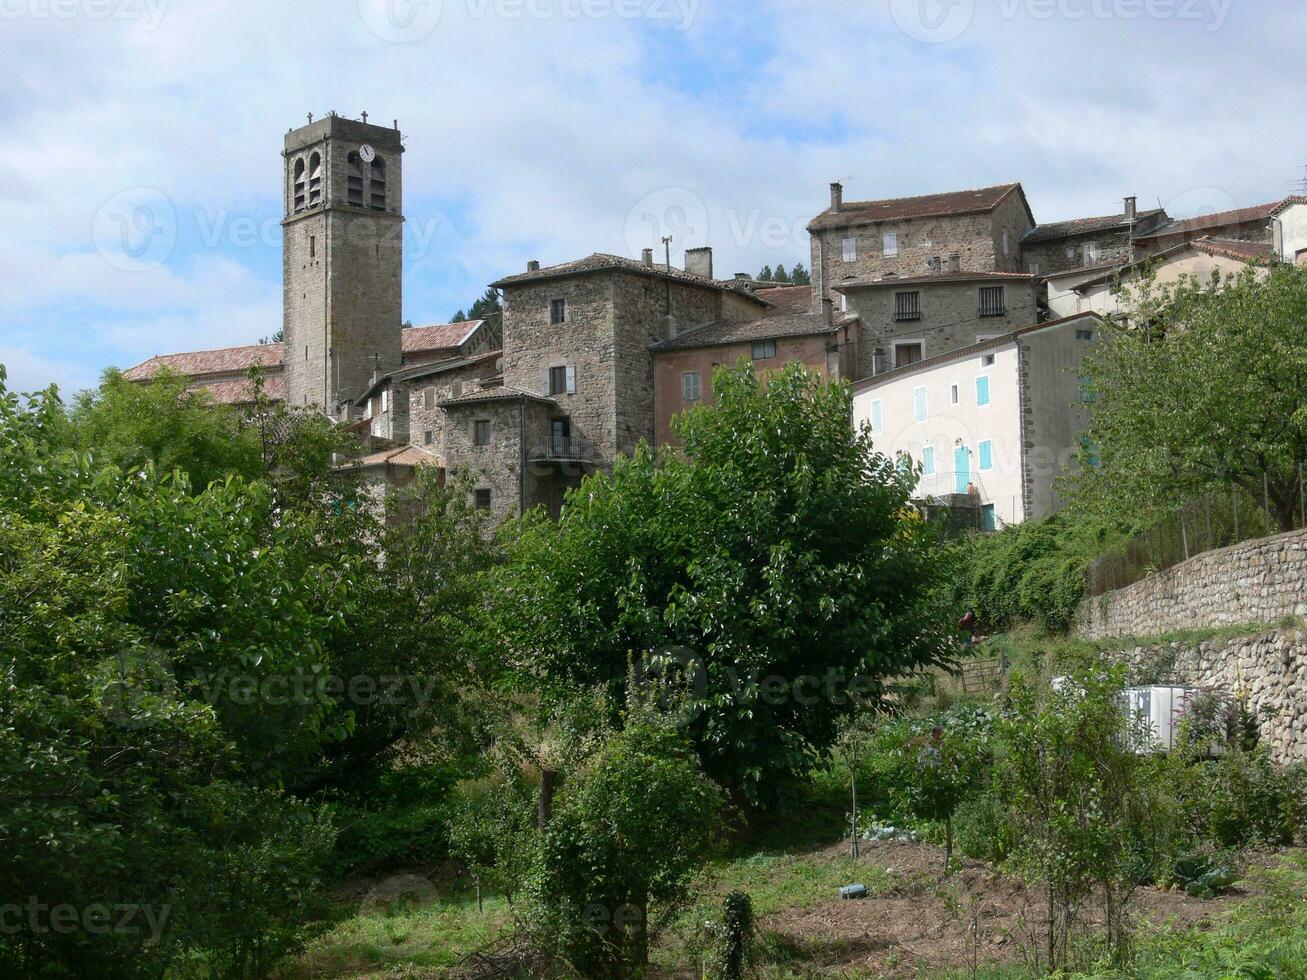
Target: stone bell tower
{"type": "Point", "coordinates": [342, 257]}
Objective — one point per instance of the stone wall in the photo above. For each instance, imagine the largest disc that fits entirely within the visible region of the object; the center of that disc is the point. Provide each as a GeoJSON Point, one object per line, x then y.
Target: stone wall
{"type": "Point", "coordinates": [1257, 581]}
{"type": "Point", "coordinates": [1269, 669]}
{"type": "Point", "coordinates": [950, 316]}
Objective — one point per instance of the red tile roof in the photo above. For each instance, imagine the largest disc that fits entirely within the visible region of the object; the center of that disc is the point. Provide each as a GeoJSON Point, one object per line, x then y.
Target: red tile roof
{"type": "Point", "coordinates": [768, 328]}
{"type": "Point", "coordinates": [437, 336]}
{"type": "Point", "coordinates": [931, 277]}
{"type": "Point", "coordinates": [603, 262]}
{"type": "Point", "coordinates": [223, 360]}
{"type": "Point", "coordinates": [925, 206]}
{"type": "Point", "coordinates": [1056, 230]}
{"type": "Point", "coordinates": [241, 391]}
{"type": "Point", "coordinates": [1247, 251]}
{"type": "Point", "coordinates": [787, 299]}
{"type": "Point", "coordinates": [1207, 222]}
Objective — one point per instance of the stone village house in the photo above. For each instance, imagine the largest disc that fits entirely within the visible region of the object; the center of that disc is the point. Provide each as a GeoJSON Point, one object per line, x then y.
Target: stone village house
{"type": "Point", "coordinates": [596, 354]}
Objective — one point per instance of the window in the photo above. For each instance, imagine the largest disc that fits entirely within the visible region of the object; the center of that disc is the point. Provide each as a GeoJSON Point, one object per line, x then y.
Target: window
{"type": "Point", "coordinates": [481, 432]}
{"type": "Point", "coordinates": [953, 396]}
{"type": "Point", "coordinates": [1034, 268]}
{"type": "Point", "coordinates": [1007, 248]}
{"type": "Point", "coordinates": [907, 306]}
{"type": "Point", "coordinates": [354, 180]}
{"type": "Point", "coordinates": [991, 301]}
{"type": "Point", "coordinates": [764, 350]}
{"type": "Point", "coordinates": [987, 360]}
{"type": "Point", "coordinates": [313, 246]}
{"type": "Point", "coordinates": [928, 461]}
{"type": "Point", "coordinates": [482, 499]}
{"type": "Point", "coordinates": [558, 311]}
{"type": "Point", "coordinates": [377, 185]}
{"type": "Point", "coordinates": [299, 184]}
{"type": "Point", "coordinates": [315, 179]}
{"type": "Point", "coordinates": [690, 386]}
{"type": "Point", "coordinates": [982, 390]}
{"type": "Point", "coordinates": [560, 435]}
{"type": "Point", "coordinates": [1091, 253]}
{"type": "Point", "coordinates": [429, 398]}
{"type": "Point", "coordinates": [919, 403]}
{"type": "Point", "coordinates": [986, 455]}
{"type": "Point", "coordinates": [850, 250]}
{"type": "Point", "coordinates": [877, 417]}
{"type": "Point", "coordinates": [385, 400]}
{"type": "Point", "coordinates": [428, 437]}
{"type": "Point", "coordinates": [1071, 252]}
{"type": "Point", "coordinates": [560, 380]}
{"type": "Point", "coordinates": [891, 242]}
{"type": "Point", "coordinates": [1084, 335]}
{"type": "Point", "coordinates": [909, 353]}
{"type": "Point", "coordinates": [988, 518]}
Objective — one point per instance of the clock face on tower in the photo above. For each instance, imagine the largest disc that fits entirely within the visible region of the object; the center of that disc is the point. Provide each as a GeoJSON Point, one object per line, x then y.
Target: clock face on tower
{"type": "Point", "coordinates": [366, 153]}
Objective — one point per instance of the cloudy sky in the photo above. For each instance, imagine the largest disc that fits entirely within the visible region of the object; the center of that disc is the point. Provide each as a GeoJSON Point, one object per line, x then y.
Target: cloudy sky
{"type": "Point", "coordinates": [140, 167]}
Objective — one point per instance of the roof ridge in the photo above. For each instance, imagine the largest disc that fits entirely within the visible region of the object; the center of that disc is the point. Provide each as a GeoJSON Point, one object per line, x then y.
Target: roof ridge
{"type": "Point", "coordinates": [918, 197]}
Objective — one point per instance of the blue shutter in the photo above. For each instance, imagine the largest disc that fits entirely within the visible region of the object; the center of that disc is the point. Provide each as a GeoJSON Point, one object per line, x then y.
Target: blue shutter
{"type": "Point", "coordinates": [928, 461]}
{"type": "Point", "coordinates": [986, 455]}
{"type": "Point", "coordinates": [982, 390]}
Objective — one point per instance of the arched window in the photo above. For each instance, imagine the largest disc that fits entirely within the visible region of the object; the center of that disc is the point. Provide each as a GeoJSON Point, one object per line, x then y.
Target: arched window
{"type": "Point", "coordinates": [354, 180]}
{"type": "Point", "coordinates": [377, 191]}
{"type": "Point", "coordinates": [315, 179]}
{"type": "Point", "coordinates": [299, 185]}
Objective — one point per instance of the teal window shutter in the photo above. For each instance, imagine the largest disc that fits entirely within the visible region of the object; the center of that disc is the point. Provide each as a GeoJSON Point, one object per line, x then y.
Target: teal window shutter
{"type": "Point", "coordinates": [986, 455]}
{"type": "Point", "coordinates": [982, 390]}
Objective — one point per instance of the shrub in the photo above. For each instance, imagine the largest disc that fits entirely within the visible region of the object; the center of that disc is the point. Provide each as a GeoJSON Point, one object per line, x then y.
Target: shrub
{"type": "Point", "coordinates": [492, 831]}
{"type": "Point", "coordinates": [402, 821]}
{"type": "Point", "coordinates": [1031, 572]}
{"type": "Point", "coordinates": [628, 833]}
{"type": "Point", "coordinates": [933, 764]}
{"type": "Point", "coordinates": [982, 828]}
{"type": "Point", "coordinates": [1242, 799]}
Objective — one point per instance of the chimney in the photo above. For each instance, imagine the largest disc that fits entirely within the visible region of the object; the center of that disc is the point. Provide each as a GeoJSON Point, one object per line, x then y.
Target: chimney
{"type": "Point", "coordinates": [878, 361]}
{"type": "Point", "coordinates": [698, 262]}
{"type": "Point", "coordinates": [1131, 209]}
{"type": "Point", "coordinates": [955, 262]}
{"type": "Point", "coordinates": [669, 327]}
{"type": "Point", "coordinates": [836, 197]}
{"type": "Point", "coordinates": [533, 266]}
{"type": "Point", "coordinates": [743, 277]}
{"type": "Point", "coordinates": [647, 257]}
{"type": "Point", "coordinates": [828, 312]}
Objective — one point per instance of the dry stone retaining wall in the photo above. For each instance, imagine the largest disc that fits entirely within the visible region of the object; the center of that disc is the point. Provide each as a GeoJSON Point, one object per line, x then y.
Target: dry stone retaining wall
{"type": "Point", "coordinates": [1258, 581]}
{"type": "Point", "coordinates": [1268, 669]}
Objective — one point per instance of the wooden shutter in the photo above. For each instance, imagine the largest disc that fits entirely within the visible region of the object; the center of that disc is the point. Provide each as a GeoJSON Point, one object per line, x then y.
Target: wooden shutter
{"type": "Point", "coordinates": [571, 379]}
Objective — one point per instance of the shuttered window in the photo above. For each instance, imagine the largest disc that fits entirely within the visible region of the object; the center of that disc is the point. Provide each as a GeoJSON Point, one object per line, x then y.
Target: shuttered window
{"type": "Point", "coordinates": [907, 306]}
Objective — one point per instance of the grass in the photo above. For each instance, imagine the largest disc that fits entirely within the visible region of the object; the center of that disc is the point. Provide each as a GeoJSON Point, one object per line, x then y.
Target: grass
{"type": "Point", "coordinates": [401, 936]}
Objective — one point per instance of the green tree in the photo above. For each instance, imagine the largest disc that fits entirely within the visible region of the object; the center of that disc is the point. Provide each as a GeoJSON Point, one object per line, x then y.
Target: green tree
{"type": "Point", "coordinates": [765, 274]}
{"type": "Point", "coordinates": [932, 765]}
{"type": "Point", "coordinates": [1206, 387]}
{"type": "Point", "coordinates": [773, 565]}
{"type": "Point", "coordinates": [800, 276]}
{"type": "Point", "coordinates": [631, 829]}
{"type": "Point", "coordinates": [781, 275]}
{"type": "Point", "coordinates": [165, 423]}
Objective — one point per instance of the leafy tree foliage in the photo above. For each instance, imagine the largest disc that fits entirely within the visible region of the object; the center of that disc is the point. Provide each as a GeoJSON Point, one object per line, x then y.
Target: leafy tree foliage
{"type": "Point", "coordinates": [933, 764]}
{"type": "Point", "coordinates": [630, 831]}
{"type": "Point", "coordinates": [781, 276]}
{"type": "Point", "coordinates": [1204, 389]}
{"type": "Point", "coordinates": [800, 276]}
{"type": "Point", "coordinates": [771, 565]}
{"type": "Point", "coordinates": [765, 274]}
{"type": "Point", "coordinates": [166, 424]}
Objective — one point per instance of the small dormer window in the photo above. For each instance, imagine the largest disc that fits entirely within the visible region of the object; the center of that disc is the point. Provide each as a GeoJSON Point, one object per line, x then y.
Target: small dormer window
{"type": "Point", "coordinates": [315, 179]}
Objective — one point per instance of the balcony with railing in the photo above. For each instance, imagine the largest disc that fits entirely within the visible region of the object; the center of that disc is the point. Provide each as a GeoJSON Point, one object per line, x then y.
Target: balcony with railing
{"type": "Point", "coordinates": [563, 449]}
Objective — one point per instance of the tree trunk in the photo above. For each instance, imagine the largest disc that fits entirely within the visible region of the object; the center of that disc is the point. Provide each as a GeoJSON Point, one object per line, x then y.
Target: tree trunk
{"type": "Point", "coordinates": [948, 843]}
{"type": "Point", "coordinates": [545, 807]}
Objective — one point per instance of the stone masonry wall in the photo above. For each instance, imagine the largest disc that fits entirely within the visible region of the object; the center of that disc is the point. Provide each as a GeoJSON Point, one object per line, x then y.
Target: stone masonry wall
{"type": "Point", "coordinates": [1268, 669]}
{"type": "Point", "coordinates": [1254, 582]}
{"type": "Point", "coordinates": [950, 317]}
{"type": "Point", "coordinates": [496, 467]}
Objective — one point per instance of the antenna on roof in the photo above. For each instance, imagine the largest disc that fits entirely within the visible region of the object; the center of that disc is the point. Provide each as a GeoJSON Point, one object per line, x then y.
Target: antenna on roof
{"type": "Point", "coordinates": [1300, 185]}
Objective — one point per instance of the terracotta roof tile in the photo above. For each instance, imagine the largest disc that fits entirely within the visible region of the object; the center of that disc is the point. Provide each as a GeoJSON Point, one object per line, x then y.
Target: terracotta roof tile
{"type": "Point", "coordinates": [603, 262]}
{"type": "Point", "coordinates": [787, 299]}
{"type": "Point", "coordinates": [222, 360]}
{"type": "Point", "coordinates": [924, 206]}
{"type": "Point", "coordinates": [1085, 226]}
{"type": "Point", "coordinates": [497, 394]}
{"type": "Point", "coordinates": [241, 391]}
{"type": "Point", "coordinates": [767, 328]}
{"type": "Point", "coordinates": [437, 336]}
{"type": "Point", "coordinates": [933, 277]}
{"type": "Point", "coordinates": [1207, 222]}
{"type": "Point", "coordinates": [1246, 251]}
